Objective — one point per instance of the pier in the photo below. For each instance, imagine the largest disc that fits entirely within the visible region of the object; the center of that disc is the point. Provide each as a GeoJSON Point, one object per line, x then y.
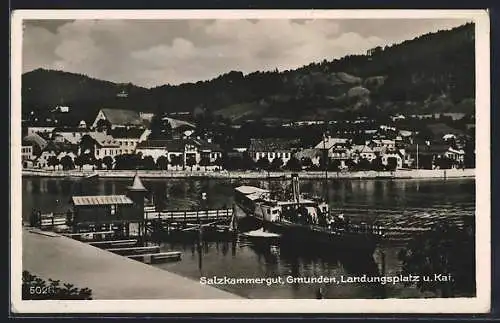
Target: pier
{"type": "Point", "coordinates": [108, 275]}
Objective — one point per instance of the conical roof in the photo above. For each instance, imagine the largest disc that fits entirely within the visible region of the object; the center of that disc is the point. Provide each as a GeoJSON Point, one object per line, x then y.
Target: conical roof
{"type": "Point", "coordinates": [137, 185]}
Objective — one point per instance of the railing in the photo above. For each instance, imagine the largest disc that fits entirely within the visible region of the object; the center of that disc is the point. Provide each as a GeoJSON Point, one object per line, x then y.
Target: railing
{"type": "Point", "coordinates": [189, 215]}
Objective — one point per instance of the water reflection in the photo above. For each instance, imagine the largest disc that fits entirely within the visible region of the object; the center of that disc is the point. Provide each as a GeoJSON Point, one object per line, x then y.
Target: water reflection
{"type": "Point", "coordinates": [407, 201]}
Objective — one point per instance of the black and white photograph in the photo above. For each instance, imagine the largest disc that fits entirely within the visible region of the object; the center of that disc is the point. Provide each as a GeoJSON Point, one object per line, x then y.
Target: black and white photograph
{"type": "Point", "coordinates": [250, 161]}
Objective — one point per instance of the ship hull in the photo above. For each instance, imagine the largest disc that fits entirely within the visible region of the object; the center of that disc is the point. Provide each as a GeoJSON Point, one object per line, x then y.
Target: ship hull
{"type": "Point", "coordinates": [293, 234]}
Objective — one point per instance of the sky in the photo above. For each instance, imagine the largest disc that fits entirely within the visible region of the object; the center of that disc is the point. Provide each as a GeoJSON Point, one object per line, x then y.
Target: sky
{"type": "Point", "coordinates": [151, 53]}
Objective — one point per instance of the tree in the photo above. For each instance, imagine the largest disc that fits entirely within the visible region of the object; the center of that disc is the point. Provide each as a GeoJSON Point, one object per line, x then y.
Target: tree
{"type": "Point", "coordinates": [262, 163]}
{"type": "Point", "coordinates": [363, 164]}
{"type": "Point", "coordinates": [67, 162]}
{"type": "Point", "coordinates": [444, 162]}
{"type": "Point", "coordinates": [294, 164]}
{"type": "Point", "coordinates": [247, 162]}
{"type": "Point", "coordinates": [392, 163]}
{"type": "Point", "coordinates": [162, 163]}
{"type": "Point", "coordinates": [334, 165]}
{"type": "Point", "coordinates": [98, 163]}
{"type": "Point", "coordinates": [127, 161]}
{"type": "Point", "coordinates": [148, 163]}
{"type": "Point", "coordinates": [446, 249]}
{"type": "Point", "coordinates": [87, 145]}
{"type": "Point", "coordinates": [79, 161]}
{"type": "Point", "coordinates": [377, 164]}
{"type": "Point", "coordinates": [176, 160]}
{"type": "Point", "coordinates": [205, 161]}
{"type": "Point", "coordinates": [219, 161]}
{"type": "Point", "coordinates": [35, 288]}
{"type": "Point", "coordinates": [160, 127]}
{"type": "Point", "coordinates": [350, 164]}
{"type": "Point", "coordinates": [108, 161]}
{"type": "Point", "coordinates": [103, 125]}
{"type": "Point", "coordinates": [276, 164]}
{"type": "Point", "coordinates": [190, 161]}
{"type": "Point", "coordinates": [52, 161]}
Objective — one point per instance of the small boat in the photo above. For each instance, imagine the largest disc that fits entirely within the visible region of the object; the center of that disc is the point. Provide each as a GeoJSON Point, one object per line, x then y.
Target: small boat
{"type": "Point", "coordinates": [92, 176]}
{"type": "Point", "coordinates": [261, 234]}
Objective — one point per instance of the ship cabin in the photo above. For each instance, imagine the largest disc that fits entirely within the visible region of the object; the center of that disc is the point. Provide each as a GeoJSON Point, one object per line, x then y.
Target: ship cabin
{"type": "Point", "coordinates": [248, 196]}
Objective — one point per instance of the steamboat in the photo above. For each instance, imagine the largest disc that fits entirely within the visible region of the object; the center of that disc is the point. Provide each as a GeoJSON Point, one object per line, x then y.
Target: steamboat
{"type": "Point", "coordinates": [299, 218]}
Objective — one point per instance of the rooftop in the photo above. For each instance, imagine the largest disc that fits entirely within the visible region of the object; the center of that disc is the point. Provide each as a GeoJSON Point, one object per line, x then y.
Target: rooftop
{"type": "Point", "coordinates": [123, 117]}
{"type": "Point", "coordinates": [137, 185]}
{"type": "Point", "coordinates": [308, 153]}
{"type": "Point", "coordinates": [101, 200]}
{"type": "Point", "coordinates": [272, 144]}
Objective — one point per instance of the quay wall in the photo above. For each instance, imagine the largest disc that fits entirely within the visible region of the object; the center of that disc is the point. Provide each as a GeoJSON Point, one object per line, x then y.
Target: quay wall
{"type": "Point", "coordinates": [108, 275]}
{"type": "Point", "coordinates": [411, 173]}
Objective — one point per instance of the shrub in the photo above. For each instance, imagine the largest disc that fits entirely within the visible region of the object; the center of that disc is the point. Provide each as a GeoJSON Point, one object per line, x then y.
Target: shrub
{"type": "Point", "coordinates": [35, 288]}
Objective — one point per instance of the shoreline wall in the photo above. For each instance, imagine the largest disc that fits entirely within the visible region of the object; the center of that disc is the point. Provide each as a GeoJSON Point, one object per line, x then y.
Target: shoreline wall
{"type": "Point", "coordinates": [398, 174]}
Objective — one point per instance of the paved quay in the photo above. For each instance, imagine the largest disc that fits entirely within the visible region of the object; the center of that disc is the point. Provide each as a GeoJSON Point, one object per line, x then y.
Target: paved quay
{"type": "Point", "coordinates": [108, 275]}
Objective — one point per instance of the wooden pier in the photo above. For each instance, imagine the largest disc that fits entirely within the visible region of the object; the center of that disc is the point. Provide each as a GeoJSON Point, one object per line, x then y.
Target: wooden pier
{"type": "Point", "coordinates": [134, 250]}
{"type": "Point", "coordinates": [157, 257]}
{"type": "Point", "coordinates": [114, 243]}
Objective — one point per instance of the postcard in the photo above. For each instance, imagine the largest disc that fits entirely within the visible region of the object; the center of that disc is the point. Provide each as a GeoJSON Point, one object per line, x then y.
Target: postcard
{"type": "Point", "coordinates": [250, 161]}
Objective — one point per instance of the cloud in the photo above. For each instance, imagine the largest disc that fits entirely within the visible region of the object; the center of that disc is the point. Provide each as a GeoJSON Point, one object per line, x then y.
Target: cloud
{"type": "Point", "coordinates": [152, 53]}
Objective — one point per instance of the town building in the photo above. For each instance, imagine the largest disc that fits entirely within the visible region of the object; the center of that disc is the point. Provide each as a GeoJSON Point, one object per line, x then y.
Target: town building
{"type": "Point", "coordinates": [56, 150]}
{"type": "Point", "coordinates": [387, 143]}
{"type": "Point", "coordinates": [312, 154]}
{"type": "Point", "coordinates": [37, 142]}
{"type": "Point", "coordinates": [70, 135]}
{"type": "Point", "coordinates": [103, 145]}
{"type": "Point", "coordinates": [153, 148]}
{"type": "Point", "coordinates": [128, 138]}
{"type": "Point", "coordinates": [39, 129]}
{"type": "Point", "coordinates": [181, 152]}
{"type": "Point", "coordinates": [27, 156]}
{"type": "Point", "coordinates": [331, 143]}
{"type": "Point", "coordinates": [272, 148]}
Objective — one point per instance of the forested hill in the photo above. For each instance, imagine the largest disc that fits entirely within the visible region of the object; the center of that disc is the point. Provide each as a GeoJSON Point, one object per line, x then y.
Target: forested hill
{"type": "Point", "coordinates": [431, 73]}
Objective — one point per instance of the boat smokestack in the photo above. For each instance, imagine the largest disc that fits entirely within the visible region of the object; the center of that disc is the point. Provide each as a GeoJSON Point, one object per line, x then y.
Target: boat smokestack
{"type": "Point", "coordinates": [295, 187]}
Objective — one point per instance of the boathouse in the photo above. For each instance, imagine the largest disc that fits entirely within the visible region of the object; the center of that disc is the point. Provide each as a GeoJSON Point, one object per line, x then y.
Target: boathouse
{"type": "Point", "coordinates": [98, 211]}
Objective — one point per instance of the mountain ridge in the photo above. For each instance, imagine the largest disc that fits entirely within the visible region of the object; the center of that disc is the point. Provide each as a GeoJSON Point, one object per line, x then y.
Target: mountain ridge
{"type": "Point", "coordinates": [434, 72]}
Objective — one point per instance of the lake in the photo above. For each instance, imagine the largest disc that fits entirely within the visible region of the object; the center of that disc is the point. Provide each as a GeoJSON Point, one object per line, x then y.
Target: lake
{"type": "Point", "coordinates": [389, 202]}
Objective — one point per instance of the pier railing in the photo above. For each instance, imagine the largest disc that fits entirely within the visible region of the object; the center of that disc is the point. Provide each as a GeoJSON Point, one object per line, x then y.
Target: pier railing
{"type": "Point", "coordinates": [189, 215]}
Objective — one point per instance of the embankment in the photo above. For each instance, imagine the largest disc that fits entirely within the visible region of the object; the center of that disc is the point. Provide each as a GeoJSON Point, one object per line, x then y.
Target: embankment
{"type": "Point", "coordinates": [413, 173]}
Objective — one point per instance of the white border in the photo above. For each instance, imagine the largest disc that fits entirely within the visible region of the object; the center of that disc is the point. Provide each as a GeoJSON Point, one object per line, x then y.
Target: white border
{"type": "Point", "coordinates": [479, 304]}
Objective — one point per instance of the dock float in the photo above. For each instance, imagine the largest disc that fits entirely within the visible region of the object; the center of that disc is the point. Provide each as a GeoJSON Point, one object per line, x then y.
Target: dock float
{"type": "Point", "coordinates": [71, 235]}
{"type": "Point", "coordinates": [133, 250]}
{"type": "Point", "coordinates": [114, 243]}
{"type": "Point", "coordinates": [157, 257]}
